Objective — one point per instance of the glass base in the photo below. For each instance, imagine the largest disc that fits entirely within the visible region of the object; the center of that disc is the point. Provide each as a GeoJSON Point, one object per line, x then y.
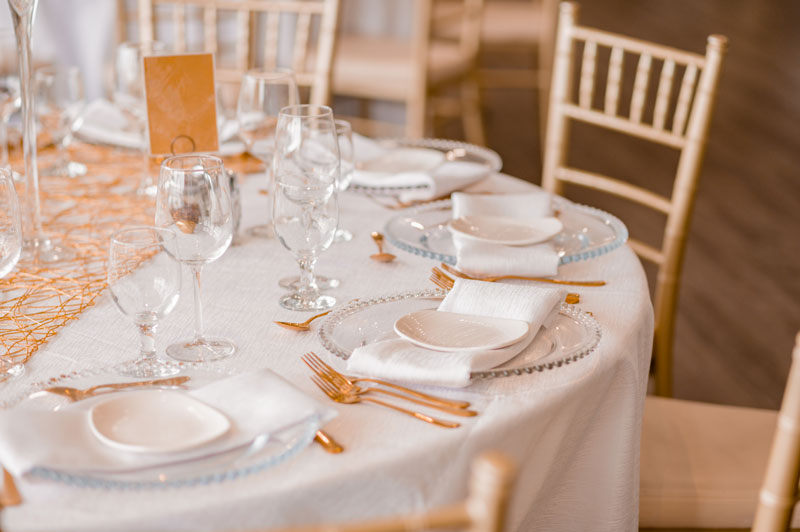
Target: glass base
{"type": "Point", "coordinates": [148, 368]}
{"type": "Point", "coordinates": [9, 369]}
{"type": "Point", "coordinates": [323, 283]}
{"type": "Point", "coordinates": [295, 302]}
{"type": "Point", "coordinates": [261, 231]}
{"type": "Point", "coordinates": [42, 250]}
{"type": "Point", "coordinates": [202, 350]}
{"type": "Point", "coordinates": [70, 169]}
{"type": "Point", "coordinates": [343, 235]}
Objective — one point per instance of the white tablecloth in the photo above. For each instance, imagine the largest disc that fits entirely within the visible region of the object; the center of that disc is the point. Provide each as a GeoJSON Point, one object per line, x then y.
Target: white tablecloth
{"type": "Point", "coordinates": [574, 431]}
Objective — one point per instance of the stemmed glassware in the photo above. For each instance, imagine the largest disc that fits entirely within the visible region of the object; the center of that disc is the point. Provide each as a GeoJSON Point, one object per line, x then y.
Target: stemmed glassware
{"type": "Point", "coordinates": [344, 133]}
{"type": "Point", "coordinates": [129, 97]}
{"type": "Point", "coordinates": [144, 278]}
{"type": "Point", "coordinates": [194, 201]}
{"type": "Point", "coordinates": [10, 248]}
{"type": "Point", "coordinates": [35, 242]}
{"type": "Point", "coordinates": [9, 88]}
{"type": "Point", "coordinates": [263, 93]}
{"type": "Point", "coordinates": [305, 204]}
{"type": "Point", "coordinates": [60, 101]}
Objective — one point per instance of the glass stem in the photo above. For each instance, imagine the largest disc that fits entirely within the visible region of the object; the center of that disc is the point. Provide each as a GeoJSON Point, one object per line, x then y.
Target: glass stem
{"type": "Point", "coordinates": [198, 303]}
{"type": "Point", "coordinates": [147, 337]}
{"type": "Point", "coordinates": [22, 13]}
{"type": "Point", "coordinates": [308, 284]}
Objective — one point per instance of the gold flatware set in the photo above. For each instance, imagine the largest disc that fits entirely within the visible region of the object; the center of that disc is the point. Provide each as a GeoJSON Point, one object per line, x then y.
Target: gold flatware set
{"type": "Point", "coordinates": [343, 389]}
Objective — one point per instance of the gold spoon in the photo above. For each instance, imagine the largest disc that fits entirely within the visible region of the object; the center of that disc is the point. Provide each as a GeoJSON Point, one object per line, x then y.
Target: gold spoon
{"type": "Point", "coordinates": [302, 326]}
{"type": "Point", "coordinates": [380, 256]}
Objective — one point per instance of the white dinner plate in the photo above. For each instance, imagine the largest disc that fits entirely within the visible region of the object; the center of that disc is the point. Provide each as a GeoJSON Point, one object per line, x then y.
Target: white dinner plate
{"type": "Point", "coordinates": [402, 160]}
{"type": "Point", "coordinates": [448, 331]}
{"type": "Point", "coordinates": [507, 231]}
{"type": "Point", "coordinates": [156, 421]}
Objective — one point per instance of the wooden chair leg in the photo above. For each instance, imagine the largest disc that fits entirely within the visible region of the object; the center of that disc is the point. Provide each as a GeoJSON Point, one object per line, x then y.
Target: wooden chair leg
{"type": "Point", "coordinates": [471, 112]}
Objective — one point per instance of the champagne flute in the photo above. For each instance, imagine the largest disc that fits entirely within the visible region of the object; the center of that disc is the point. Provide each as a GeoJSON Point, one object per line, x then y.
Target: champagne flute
{"type": "Point", "coordinates": [60, 100]}
{"type": "Point", "coordinates": [10, 249]}
{"type": "Point", "coordinates": [305, 203]}
{"type": "Point", "coordinates": [144, 278]}
{"type": "Point", "coordinates": [262, 94]}
{"type": "Point", "coordinates": [9, 87]}
{"type": "Point", "coordinates": [194, 201]}
{"type": "Point", "coordinates": [129, 97]}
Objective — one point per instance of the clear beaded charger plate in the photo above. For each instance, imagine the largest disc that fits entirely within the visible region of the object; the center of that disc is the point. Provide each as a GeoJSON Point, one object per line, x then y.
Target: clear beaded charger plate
{"type": "Point", "coordinates": [465, 152]}
{"type": "Point", "coordinates": [263, 452]}
{"type": "Point", "coordinates": [587, 233]}
{"type": "Point", "coordinates": [568, 335]}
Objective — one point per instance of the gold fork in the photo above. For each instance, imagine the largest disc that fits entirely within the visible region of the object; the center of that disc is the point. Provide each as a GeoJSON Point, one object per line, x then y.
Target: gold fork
{"type": "Point", "coordinates": [494, 278]}
{"type": "Point", "coordinates": [452, 403]}
{"type": "Point", "coordinates": [348, 388]}
{"type": "Point", "coordinates": [442, 280]}
{"type": "Point", "coordinates": [335, 394]}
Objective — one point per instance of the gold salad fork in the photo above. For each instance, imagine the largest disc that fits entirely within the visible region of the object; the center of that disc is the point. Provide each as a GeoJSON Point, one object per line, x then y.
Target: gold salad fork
{"type": "Point", "coordinates": [333, 392]}
{"type": "Point", "coordinates": [347, 387]}
{"type": "Point", "coordinates": [442, 280]}
{"type": "Point", "coordinates": [452, 403]}
{"type": "Point", "coordinates": [494, 278]}
{"type": "Point", "coordinates": [77, 394]}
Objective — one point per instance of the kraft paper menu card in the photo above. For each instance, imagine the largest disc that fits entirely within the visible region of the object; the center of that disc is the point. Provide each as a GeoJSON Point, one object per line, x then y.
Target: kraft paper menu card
{"type": "Point", "coordinates": [181, 103]}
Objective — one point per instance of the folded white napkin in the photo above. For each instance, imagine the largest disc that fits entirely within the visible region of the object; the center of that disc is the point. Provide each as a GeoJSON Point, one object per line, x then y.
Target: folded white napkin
{"type": "Point", "coordinates": [255, 403]}
{"type": "Point", "coordinates": [401, 360]}
{"type": "Point", "coordinates": [104, 123]}
{"type": "Point", "coordinates": [439, 181]}
{"type": "Point", "coordinates": [477, 257]}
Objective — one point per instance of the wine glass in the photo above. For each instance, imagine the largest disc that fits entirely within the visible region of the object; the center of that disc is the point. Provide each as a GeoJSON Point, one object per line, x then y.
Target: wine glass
{"type": "Point", "coordinates": [144, 278]}
{"type": "Point", "coordinates": [194, 201]}
{"type": "Point", "coordinates": [10, 249]}
{"type": "Point", "coordinates": [262, 94]}
{"type": "Point", "coordinates": [60, 100]}
{"type": "Point", "coordinates": [9, 87]}
{"type": "Point", "coordinates": [129, 97]}
{"type": "Point", "coordinates": [305, 204]}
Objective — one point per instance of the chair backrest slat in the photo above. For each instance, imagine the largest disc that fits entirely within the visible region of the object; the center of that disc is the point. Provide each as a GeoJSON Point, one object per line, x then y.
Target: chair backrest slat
{"type": "Point", "coordinates": [586, 87]}
{"type": "Point", "coordinates": [663, 94]}
{"type": "Point", "coordinates": [640, 87]}
{"type": "Point", "coordinates": [614, 81]}
{"type": "Point", "coordinates": [689, 128]}
{"type": "Point", "coordinates": [684, 98]}
{"type": "Point", "coordinates": [310, 25]}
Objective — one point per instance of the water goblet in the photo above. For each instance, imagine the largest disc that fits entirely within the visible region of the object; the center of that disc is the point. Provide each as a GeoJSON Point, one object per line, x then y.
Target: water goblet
{"type": "Point", "coordinates": [60, 100]}
{"type": "Point", "coordinates": [306, 167]}
{"type": "Point", "coordinates": [194, 201]}
{"type": "Point", "coordinates": [144, 279]}
{"type": "Point", "coordinates": [344, 134]}
{"type": "Point", "coordinates": [129, 97]}
{"type": "Point", "coordinates": [262, 94]}
{"type": "Point", "coordinates": [10, 249]}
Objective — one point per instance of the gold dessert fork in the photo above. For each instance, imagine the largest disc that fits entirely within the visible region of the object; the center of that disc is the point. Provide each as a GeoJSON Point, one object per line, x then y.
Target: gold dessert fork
{"type": "Point", "coordinates": [76, 394]}
{"type": "Point", "coordinates": [442, 280]}
{"type": "Point", "coordinates": [333, 393]}
{"type": "Point", "coordinates": [494, 278]}
{"type": "Point", "coordinates": [452, 403]}
{"type": "Point", "coordinates": [349, 388]}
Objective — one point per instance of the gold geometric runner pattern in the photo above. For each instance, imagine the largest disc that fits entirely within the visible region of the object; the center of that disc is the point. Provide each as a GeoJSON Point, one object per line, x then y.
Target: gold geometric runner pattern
{"type": "Point", "coordinates": [82, 213]}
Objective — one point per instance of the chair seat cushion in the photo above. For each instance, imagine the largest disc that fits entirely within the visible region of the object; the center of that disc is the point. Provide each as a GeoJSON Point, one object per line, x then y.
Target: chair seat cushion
{"type": "Point", "coordinates": [701, 464]}
{"type": "Point", "coordinates": [511, 23]}
{"type": "Point", "coordinates": [383, 68]}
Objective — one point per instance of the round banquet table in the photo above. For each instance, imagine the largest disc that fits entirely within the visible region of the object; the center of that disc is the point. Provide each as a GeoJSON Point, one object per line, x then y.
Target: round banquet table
{"type": "Point", "coordinates": [574, 431]}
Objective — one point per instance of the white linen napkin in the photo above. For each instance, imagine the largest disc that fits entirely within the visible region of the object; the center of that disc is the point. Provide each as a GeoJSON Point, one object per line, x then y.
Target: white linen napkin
{"type": "Point", "coordinates": [400, 360]}
{"type": "Point", "coordinates": [440, 181]}
{"type": "Point", "coordinates": [476, 257]}
{"type": "Point", "coordinates": [255, 403]}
